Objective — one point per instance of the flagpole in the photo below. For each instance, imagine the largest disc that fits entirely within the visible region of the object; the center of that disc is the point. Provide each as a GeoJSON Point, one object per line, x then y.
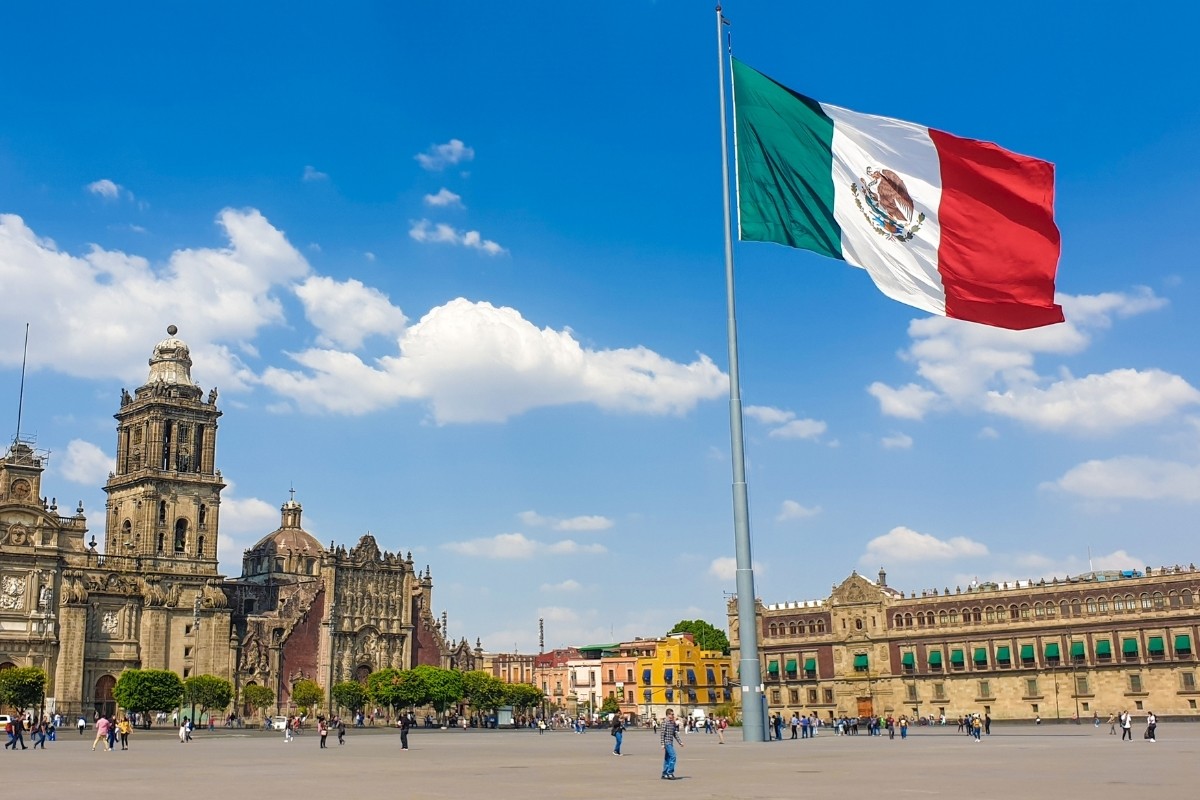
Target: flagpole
{"type": "Point", "coordinates": [754, 723]}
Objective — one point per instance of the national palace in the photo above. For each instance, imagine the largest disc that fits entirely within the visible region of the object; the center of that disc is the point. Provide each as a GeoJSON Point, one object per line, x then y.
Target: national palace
{"type": "Point", "coordinates": [1088, 644]}
{"type": "Point", "coordinates": [151, 597]}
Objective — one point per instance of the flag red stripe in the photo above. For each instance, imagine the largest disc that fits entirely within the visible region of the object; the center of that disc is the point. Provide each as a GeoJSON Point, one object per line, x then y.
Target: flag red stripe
{"type": "Point", "coordinates": [999, 244]}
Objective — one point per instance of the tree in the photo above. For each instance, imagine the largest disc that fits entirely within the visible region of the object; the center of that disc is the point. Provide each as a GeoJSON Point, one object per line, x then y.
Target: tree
{"type": "Point", "coordinates": [444, 687]}
{"type": "Point", "coordinates": [260, 697]}
{"type": "Point", "coordinates": [148, 690]}
{"type": "Point", "coordinates": [307, 695]}
{"type": "Point", "coordinates": [610, 706]}
{"type": "Point", "coordinates": [350, 694]}
{"type": "Point", "coordinates": [706, 635]}
{"type": "Point", "coordinates": [208, 692]}
{"type": "Point", "coordinates": [22, 687]}
{"type": "Point", "coordinates": [394, 689]}
{"type": "Point", "coordinates": [524, 695]}
{"type": "Point", "coordinates": [483, 691]}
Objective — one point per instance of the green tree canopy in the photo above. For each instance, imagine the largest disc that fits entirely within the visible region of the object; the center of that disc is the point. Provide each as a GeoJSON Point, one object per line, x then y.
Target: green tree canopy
{"type": "Point", "coordinates": [259, 697]}
{"type": "Point", "coordinates": [483, 691]}
{"type": "Point", "coordinates": [350, 694]}
{"type": "Point", "coordinates": [148, 690]}
{"type": "Point", "coordinates": [395, 689]}
{"type": "Point", "coordinates": [610, 706]}
{"type": "Point", "coordinates": [523, 695]}
{"type": "Point", "coordinates": [307, 694]}
{"type": "Point", "coordinates": [444, 687]}
{"type": "Point", "coordinates": [22, 687]}
{"type": "Point", "coordinates": [706, 635]}
{"type": "Point", "coordinates": [208, 692]}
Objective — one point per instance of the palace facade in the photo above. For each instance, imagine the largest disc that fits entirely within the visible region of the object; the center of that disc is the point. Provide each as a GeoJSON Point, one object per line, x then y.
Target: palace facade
{"type": "Point", "coordinates": [152, 597]}
{"type": "Point", "coordinates": [1095, 643]}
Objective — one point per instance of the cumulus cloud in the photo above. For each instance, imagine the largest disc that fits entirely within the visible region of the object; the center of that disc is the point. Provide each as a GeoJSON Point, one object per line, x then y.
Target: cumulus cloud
{"type": "Point", "coordinates": [1132, 478]}
{"type": "Point", "coordinates": [790, 510]}
{"type": "Point", "coordinates": [519, 546]}
{"type": "Point", "coordinates": [580, 523]}
{"type": "Point", "coordinates": [768, 415]}
{"type": "Point", "coordinates": [444, 199]}
{"type": "Point", "coordinates": [897, 441]}
{"type": "Point", "coordinates": [120, 302]}
{"type": "Point", "coordinates": [724, 568]}
{"type": "Point", "coordinates": [312, 174]}
{"type": "Point", "coordinates": [799, 429]}
{"type": "Point", "coordinates": [347, 312]}
{"type": "Point", "coordinates": [440, 156]}
{"type": "Point", "coordinates": [86, 463]}
{"type": "Point", "coordinates": [475, 362]}
{"type": "Point", "coordinates": [968, 367]}
{"type": "Point", "coordinates": [105, 188]}
{"type": "Point", "coordinates": [243, 522]}
{"type": "Point", "coordinates": [428, 232]}
{"type": "Point", "coordinates": [904, 544]}
{"type": "Point", "coordinates": [569, 585]}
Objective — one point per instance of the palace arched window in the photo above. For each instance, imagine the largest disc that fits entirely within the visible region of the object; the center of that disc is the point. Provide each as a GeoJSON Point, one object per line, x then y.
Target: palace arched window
{"type": "Point", "coordinates": [181, 527]}
{"type": "Point", "coordinates": [990, 614]}
{"type": "Point", "coordinates": [1118, 603]}
{"type": "Point", "coordinates": [773, 630]}
{"type": "Point", "coordinates": [1075, 608]}
{"type": "Point", "coordinates": [199, 547]}
{"type": "Point", "coordinates": [792, 629]}
{"type": "Point", "coordinates": [202, 516]}
{"type": "Point", "coordinates": [162, 510]}
{"type": "Point", "coordinates": [1146, 601]}
{"type": "Point", "coordinates": [943, 618]}
{"type": "Point", "coordinates": [820, 626]}
{"type": "Point", "coordinates": [908, 620]}
{"type": "Point", "coordinates": [898, 621]}
{"type": "Point", "coordinates": [1157, 601]}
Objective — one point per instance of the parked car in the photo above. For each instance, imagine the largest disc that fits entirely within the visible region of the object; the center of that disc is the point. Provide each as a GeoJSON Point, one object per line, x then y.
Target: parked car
{"type": "Point", "coordinates": [278, 723]}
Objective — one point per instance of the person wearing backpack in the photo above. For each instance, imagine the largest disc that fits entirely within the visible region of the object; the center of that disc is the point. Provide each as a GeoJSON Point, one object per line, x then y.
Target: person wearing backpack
{"type": "Point", "coordinates": [618, 732]}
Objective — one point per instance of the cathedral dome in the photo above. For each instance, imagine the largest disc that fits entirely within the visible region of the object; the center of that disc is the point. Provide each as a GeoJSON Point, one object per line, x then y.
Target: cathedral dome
{"type": "Point", "coordinates": [288, 550]}
{"type": "Point", "coordinates": [171, 361]}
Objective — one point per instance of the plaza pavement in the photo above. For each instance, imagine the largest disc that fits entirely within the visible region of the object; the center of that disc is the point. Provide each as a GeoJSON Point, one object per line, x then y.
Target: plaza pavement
{"type": "Point", "coordinates": [1016, 761]}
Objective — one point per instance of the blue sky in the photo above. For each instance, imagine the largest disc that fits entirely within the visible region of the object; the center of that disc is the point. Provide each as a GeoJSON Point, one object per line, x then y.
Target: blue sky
{"type": "Point", "coordinates": [457, 271]}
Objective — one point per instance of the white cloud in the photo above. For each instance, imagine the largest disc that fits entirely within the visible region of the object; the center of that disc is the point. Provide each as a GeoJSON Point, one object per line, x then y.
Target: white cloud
{"type": "Point", "coordinates": [568, 585]}
{"type": "Point", "coordinates": [533, 519]}
{"type": "Point", "coordinates": [105, 188]}
{"type": "Point", "coordinates": [904, 544]}
{"type": "Point", "coordinates": [311, 174]}
{"type": "Point", "coordinates": [1132, 478]}
{"type": "Point", "coordinates": [519, 546]}
{"type": "Point", "coordinates": [347, 312]}
{"type": "Point", "coordinates": [474, 362]}
{"type": "Point", "coordinates": [970, 368]}
{"type": "Point", "coordinates": [444, 199]}
{"type": "Point", "coordinates": [119, 302]}
{"type": "Point", "coordinates": [243, 522]}
{"type": "Point", "coordinates": [427, 232]}
{"type": "Point", "coordinates": [799, 429]}
{"type": "Point", "coordinates": [86, 463]}
{"type": "Point", "coordinates": [897, 441]}
{"type": "Point", "coordinates": [440, 156]}
{"type": "Point", "coordinates": [768, 415]}
{"type": "Point", "coordinates": [988, 432]}
{"type": "Point", "coordinates": [724, 568]}
{"type": "Point", "coordinates": [584, 523]}
{"type": "Point", "coordinates": [1027, 566]}
{"type": "Point", "coordinates": [790, 510]}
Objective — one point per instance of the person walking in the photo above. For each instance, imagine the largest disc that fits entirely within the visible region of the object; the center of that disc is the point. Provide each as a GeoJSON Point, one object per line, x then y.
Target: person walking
{"type": "Point", "coordinates": [405, 723]}
{"type": "Point", "coordinates": [183, 732]}
{"type": "Point", "coordinates": [722, 724]}
{"type": "Point", "coordinates": [287, 730]}
{"type": "Point", "coordinates": [1112, 724]}
{"type": "Point", "coordinates": [618, 732]}
{"type": "Point", "coordinates": [322, 730]}
{"type": "Point", "coordinates": [976, 728]}
{"type": "Point", "coordinates": [1126, 726]}
{"type": "Point", "coordinates": [102, 726]}
{"type": "Point", "coordinates": [669, 738]}
{"type": "Point", "coordinates": [1151, 724]}
{"type": "Point", "coordinates": [903, 728]}
{"type": "Point", "coordinates": [341, 729]}
{"type": "Point", "coordinates": [124, 728]}
{"type": "Point", "coordinates": [82, 723]}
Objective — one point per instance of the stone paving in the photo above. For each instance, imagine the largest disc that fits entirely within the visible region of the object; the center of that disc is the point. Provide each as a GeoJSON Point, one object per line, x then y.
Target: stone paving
{"type": "Point", "coordinates": [1016, 761]}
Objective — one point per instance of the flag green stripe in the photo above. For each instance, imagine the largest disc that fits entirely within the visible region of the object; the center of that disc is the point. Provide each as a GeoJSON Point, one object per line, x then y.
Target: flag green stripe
{"type": "Point", "coordinates": [785, 162]}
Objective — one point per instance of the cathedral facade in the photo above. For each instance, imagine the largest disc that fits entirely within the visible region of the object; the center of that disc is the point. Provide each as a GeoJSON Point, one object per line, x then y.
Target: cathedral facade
{"type": "Point", "coordinates": [152, 596]}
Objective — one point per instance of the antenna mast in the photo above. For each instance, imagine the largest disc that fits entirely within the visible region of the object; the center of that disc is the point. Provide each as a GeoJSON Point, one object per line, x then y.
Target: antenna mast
{"type": "Point", "coordinates": [21, 393]}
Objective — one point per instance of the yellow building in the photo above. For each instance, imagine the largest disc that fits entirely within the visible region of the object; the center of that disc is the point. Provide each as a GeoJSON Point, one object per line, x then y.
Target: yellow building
{"type": "Point", "coordinates": [674, 672]}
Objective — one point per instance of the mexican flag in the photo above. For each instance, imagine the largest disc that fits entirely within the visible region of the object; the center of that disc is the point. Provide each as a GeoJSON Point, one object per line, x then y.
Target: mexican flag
{"type": "Point", "coordinates": [953, 226]}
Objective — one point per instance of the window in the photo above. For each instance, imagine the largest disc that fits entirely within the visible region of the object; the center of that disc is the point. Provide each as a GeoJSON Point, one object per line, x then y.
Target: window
{"type": "Point", "coordinates": [911, 688]}
{"type": "Point", "coordinates": [629, 676]}
{"type": "Point", "coordinates": [1081, 685]}
{"type": "Point", "coordinates": [1187, 681]}
{"type": "Point", "coordinates": [203, 515]}
{"type": "Point", "coordinates": [1102, 605]}
{"type": "Point", "coordinates": [187, 629]}
{"type": "Point", "coordinates": [899, 621]}
{"type": "Point", "coordinates": [985, 689]}
{"type": "Point", "coordinates": [1025, 611]}
{"type": "Point", "coordinates": [812, 696]}
{"type": "Point", "coordinates": [939, 691]}
{"type": "Point", "coordinates": [1074, 608]}
{"type": "Point", "coordinates": [162, 510]}
{"type": "Point", "coordinates": [1031, 687]}
{"type": "Point", "coordinates": [908, 620]}
{"type": "Point", "coordinates": [773, 630]}
{"type": "Point", "coordinates": [1091, 605]}
{"type": "Point", "coordinates": [1157, 600]}
{"type": "Point", "coordinates": [1050, 610]}
{"type": "Point", "coordinates": [793, 696]}
{"type": "Point", "coordinates": [820, 626]}
{"type": "Point", "coordinates": [1146, 602]}
{"type": "Point", "coordinates": [162, 541]}
{"type": "Point", "coordinates": [990, 613]}
{"type": "Point", "coordinates": [954, 617]}
{"type": "Point", "coordinates": [187, 652]}
{"type": "Point", "coordinates": [1039, 610]}
{"type": "Point", "coordinates": [774, 696]}
{"type": "Point", "coordinates": [828, 695]}
{"type": "Point", "coordinates": [858, 624]}
{"type": "Point", "coordinates": [1118, 603]}
{"type": "Point", "coordinates": [187, 673]}
{"type": "Point", "coordinates": [180, 535]}
{"type": "Point", "coordinates": [200, 547]}
{"type": "Point", "coordinates": [1135, 683]}
{"type": "Point", "coordinates": [611, 677]}
{"type": "Point", "coordinates": [792, 629]}
{"type": "Point", "coordinates": [975, 615]}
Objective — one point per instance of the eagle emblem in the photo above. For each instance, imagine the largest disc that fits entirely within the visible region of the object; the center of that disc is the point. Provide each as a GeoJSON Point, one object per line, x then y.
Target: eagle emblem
{"type": "Point", "coordinates": [885, 203]}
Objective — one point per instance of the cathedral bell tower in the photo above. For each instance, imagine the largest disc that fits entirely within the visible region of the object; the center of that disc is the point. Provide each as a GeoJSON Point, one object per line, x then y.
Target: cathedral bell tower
{"type": "Point", "coordinates": [164, 497]}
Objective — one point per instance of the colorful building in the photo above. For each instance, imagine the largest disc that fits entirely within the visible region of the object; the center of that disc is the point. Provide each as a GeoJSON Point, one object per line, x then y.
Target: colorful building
{"type": "Point", "coordinates": [674, 672]}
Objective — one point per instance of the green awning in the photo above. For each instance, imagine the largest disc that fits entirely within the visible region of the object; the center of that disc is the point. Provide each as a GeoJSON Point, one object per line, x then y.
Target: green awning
{"type": "Point", "coordinates": [1027, 652]}
{"type": "Point", "coordinates": [1129, 647]}
{"type": "Point", "coordinates": [1052, 650]}
{"type": "Point", "coordinates": [935, 658]}
{"type": "Point", "coordinates": [1104, 647]}
{"type": "Point", "coordinates": [810, 665]}
{"type": "Point", "coordinates": [773, 668]}
{"type": "Point", "coordinates": [1156, 646]}
{"type": "Point", "coordinates": [860, 661]}
{"type": "Point", "coordinates": [790, 666]}
{"type": "Point", "coordinates": [908, 659]}
{"type": "Point", "coordinates": [1078, 650]}
{"type": "Point", "coordinates": [1003, 653]}
{"type": "Point", "coordinates": [1183, 643]}
{"type": "Point", "coordinates": [956, 657]}
{"type": "Point", "coordinates": [980, 655]}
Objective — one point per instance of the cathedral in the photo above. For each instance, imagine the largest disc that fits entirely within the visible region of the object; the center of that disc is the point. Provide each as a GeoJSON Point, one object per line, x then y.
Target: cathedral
{"type": "Point", "coordinates": [152, 596]}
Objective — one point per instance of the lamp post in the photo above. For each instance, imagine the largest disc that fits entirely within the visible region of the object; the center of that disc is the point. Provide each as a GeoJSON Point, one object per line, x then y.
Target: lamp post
{"type": "Point", "coordinates": [1075, 690]}
{"type": "Point", "coordinates": [1057, 716]}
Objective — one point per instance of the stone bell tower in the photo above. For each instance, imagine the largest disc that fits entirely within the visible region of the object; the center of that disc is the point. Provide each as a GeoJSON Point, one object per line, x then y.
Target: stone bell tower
{"type": "Point", "coordinates": [164, 496]}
